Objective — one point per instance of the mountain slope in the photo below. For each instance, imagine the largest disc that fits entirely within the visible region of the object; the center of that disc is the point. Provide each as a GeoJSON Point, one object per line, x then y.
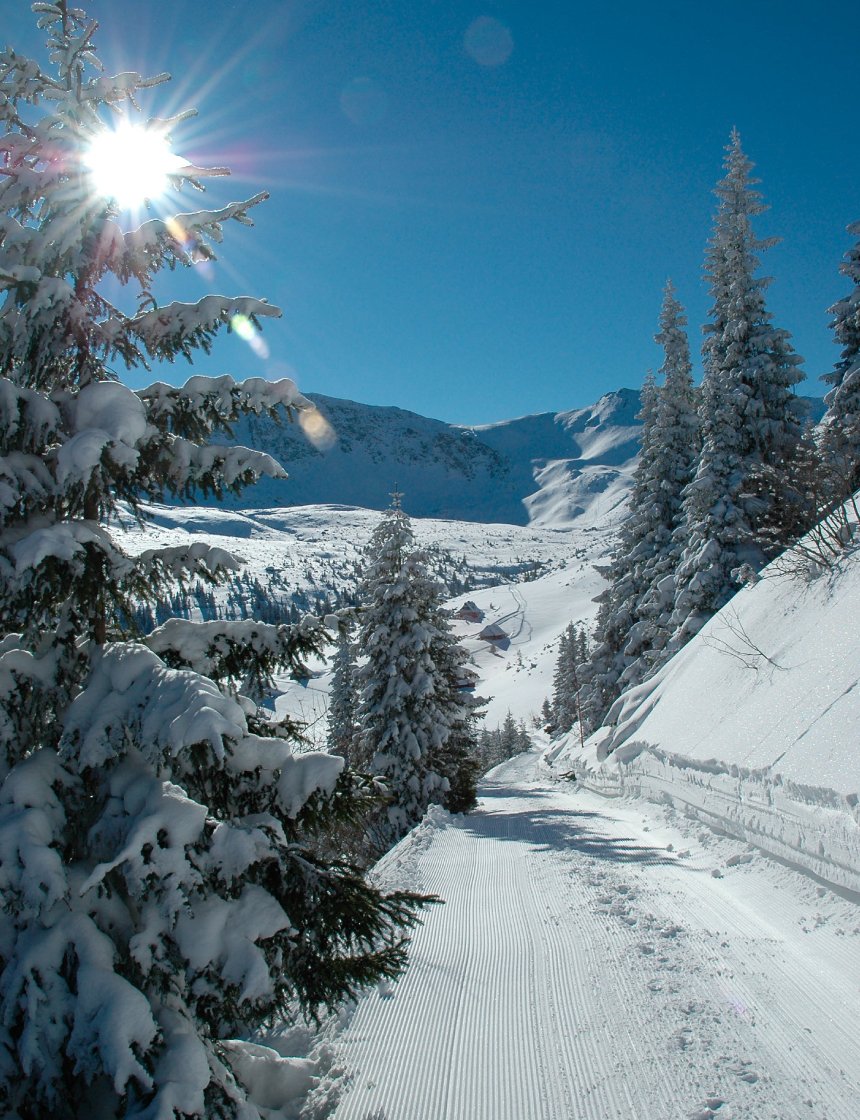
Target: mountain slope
{"type": "Point", "coordinates": [553, 469]}
{"type": "Point", "coordinates": [753, 726]}
{"type": "Point", "coordinates": [547, 469]}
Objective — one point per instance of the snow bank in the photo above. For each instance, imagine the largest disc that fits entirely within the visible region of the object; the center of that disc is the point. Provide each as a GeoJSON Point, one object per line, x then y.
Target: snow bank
{"type": "Point", "coordinates": [755, 726]}
{"type": "Point", "coordinates": [278, 1086]}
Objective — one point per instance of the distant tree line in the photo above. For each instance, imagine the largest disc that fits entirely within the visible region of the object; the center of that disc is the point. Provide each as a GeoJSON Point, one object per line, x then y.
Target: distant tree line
{"type": "Point", "coordinates": [277, 599]}
{"type": "Point", "coordinates": [500, 743]}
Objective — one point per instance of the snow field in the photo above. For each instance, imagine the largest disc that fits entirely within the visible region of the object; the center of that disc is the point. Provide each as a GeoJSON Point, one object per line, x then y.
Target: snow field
{"type": "Point", "coordinates": [321, 547]}
{"type": "Point", "coordinates": [516, 674]}
{"type": "Point", "coordinates": [606, 957]}
{"type": "Point", "coordinates": [592, 962]}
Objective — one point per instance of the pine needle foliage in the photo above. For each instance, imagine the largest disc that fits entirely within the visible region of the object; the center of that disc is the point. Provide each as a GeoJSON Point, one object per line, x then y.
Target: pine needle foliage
{"type": "Point", "coordinates": [161, 890]}
{"type": "Point", "coordinates": [841, 426]}
{"type": "Point", "coordinates": [750, 417]}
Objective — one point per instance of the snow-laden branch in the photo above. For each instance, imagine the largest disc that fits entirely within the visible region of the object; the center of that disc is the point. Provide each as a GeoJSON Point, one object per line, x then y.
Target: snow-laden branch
{"type": "Point", "coordinates": [180, 467]}
{"type": "Point", "coordinates": [183, 722]}
{"type": "Point", "coordinates": [64, 543]}
{"type": "Point", "coordinates": [204, 404]}
{"type": "Point", "coordinates": [224, 649]}
{"type": "Point", "coordinates": [190, 561]}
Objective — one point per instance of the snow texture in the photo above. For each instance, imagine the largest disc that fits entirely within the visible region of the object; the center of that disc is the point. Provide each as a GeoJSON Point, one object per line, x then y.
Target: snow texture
{"type": "Point", "coordinates": [603, 959]}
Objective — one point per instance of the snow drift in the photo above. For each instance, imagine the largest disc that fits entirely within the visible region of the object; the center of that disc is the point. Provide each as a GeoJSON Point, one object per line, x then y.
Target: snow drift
{"type": "Point", "coordinates": [754, 727]}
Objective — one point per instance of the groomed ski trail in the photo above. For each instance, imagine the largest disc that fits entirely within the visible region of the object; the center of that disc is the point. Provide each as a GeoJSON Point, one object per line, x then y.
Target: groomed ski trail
{"type": "Point", "coordinates": [584, 967]}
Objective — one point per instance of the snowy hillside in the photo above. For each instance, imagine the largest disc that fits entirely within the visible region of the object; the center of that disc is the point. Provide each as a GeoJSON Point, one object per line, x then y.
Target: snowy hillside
{"type": "Point", "coordinates": [515, 672]}
{"type": "Point", "coordinates": [320, 547]}
{"type": "Point", "coordinates": [600, 953]}
{"type": "Point", "coordinates": [550, 469]}
{"type": "Point", "coordinates": [753, 726]}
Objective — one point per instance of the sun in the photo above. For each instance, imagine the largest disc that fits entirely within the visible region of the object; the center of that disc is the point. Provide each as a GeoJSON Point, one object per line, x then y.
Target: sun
{"type": "Point", "coordinates": [131, 165]}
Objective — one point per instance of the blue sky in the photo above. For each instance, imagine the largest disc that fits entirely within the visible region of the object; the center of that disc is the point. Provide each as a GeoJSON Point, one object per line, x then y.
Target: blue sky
{"type": "Point", "coordinates": [475, 220]}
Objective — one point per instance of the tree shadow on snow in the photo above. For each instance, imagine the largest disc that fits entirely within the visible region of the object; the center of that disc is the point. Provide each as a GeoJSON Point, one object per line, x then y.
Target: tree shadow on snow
{"type": "Point", "coordinates": [552, 830]}
{"type": "Point", "coordinates": [487, 790]}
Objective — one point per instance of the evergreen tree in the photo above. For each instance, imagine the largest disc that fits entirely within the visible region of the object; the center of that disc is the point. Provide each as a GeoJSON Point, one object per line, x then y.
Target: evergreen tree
{"type": "Point", "coordinates": [489, 748]}
{"type": "Point", "coordinates": [342, 695]}
{"type": "Point", "coordinates": [509, 737]}
{"type": "Point", "coordinates": [547, 717]}
{"type": "Point", "coordinates": [567, 678]}
{"type": "Point", "coordinates": [841, 425]}
{"type": "Point", "coordinates": [670, 450]}
{"type": "Point", "coordinates": [162, 891]}
{"type": "Point", "coordinates": [560, 715]}
{"type": "Point", "coordinates": [455, 758]}
{"type": "Point", "coordinates": [751, 421]}
{"type": "Point", "coordinates": [416, 729]}
{"type": "Point", "coordinates": [633, 619]}
{"type": "Point", "coordinates": [616, 615]}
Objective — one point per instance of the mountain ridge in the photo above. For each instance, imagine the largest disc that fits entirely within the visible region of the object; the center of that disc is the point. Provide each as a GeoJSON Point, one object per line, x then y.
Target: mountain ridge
{"type": "Point", "coordinates": [548, 469]}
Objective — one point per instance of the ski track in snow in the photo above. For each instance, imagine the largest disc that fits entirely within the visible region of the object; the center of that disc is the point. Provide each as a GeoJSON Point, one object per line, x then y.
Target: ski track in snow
{"type": "Point", "coordinates": [581, 969]}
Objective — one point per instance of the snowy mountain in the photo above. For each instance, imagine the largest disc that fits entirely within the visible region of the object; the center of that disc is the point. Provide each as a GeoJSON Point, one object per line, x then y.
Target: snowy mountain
{"type": "Point", "coordinates": [547, 469]}
{"type": "Point", "coordinates": [733, 976]}
{"type": "Point", "coordinates": [530, 580]}
{"type": "Point", "coordinates": [552, 468]}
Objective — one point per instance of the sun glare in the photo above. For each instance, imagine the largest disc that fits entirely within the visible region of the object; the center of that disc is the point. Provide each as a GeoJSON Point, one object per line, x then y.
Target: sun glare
{"type": "Point", "coordinates": [131, 165]}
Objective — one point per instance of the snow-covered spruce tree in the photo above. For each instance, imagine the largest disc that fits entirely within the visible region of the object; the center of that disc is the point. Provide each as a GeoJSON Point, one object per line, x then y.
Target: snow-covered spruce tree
{"type": "Point", "coordinates": [513, 737]}
{"type": "Point", "coordinates": [616, 614]}
{"type": "Point", "coordinates": [840, 428]}
{"type": "Point", "coordinates": [558, 712]}
{"type": "Point", "coordinates": [751, 420]}
{"type": "Point", "coordinates": [161, 892]}
{"type": "Point", "coordinates": [633, 620]}
{"type": "Point", "coordinates": [415, 727]}
{"type": "Point", "coordinates": [567, 679]}
{"type": "Point", "coordinates": [489, 749]}
{"type": "Point", "coordinates": [342, 695]}
{"type": "Point", "coordinates": [670, 451]}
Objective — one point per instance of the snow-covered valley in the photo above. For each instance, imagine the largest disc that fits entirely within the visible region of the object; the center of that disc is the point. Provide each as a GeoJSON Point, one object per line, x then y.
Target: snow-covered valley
{"type": "Point", "coordinates": [361, 765]}
{"type": "Point", "coordinates": [532, 581]}
{"type": "Point", "coordinates": [675, 933]}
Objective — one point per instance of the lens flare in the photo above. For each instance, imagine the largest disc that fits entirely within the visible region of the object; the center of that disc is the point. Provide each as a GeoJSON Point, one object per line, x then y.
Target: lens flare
{"type": "Point", "coordinates": [177, 231]}
{"type": "Point", "coordinates": [245, 329]}
{"type": "Point", "coordinates": [489, 42]}
{"type": "Point", "coordinates": [131, 164]}
{"type": "Point", "coordinates": [317, 429]}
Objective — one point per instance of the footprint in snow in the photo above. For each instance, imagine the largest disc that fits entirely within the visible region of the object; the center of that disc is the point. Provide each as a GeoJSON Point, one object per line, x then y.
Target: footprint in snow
{"type": "Point", "coordinates": [743, 1070]}
{"type": "Point", "coordinates": [710, 1107]}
